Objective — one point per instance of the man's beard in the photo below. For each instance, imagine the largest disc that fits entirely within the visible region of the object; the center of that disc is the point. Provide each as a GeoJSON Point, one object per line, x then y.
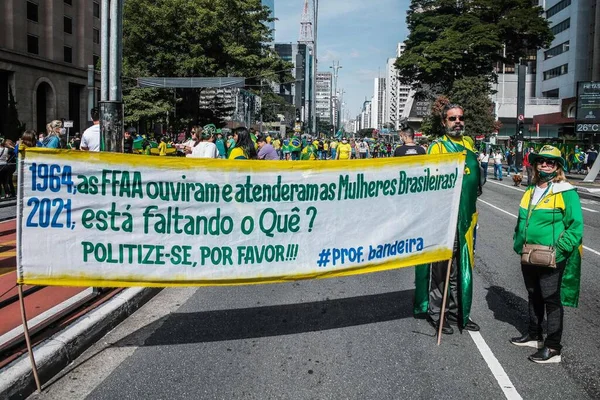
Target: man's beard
{"type": "Point", "coordinates": [455, 133]}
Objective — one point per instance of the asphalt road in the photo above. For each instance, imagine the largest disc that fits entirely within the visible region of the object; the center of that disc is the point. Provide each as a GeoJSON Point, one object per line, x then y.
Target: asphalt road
{"type": "Point", "coordinates": [351, 338]}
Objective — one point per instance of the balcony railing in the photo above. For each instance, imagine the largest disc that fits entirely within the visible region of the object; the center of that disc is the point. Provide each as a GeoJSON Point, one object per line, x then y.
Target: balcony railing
{"type": "Point", "coordinates": [533, 101]}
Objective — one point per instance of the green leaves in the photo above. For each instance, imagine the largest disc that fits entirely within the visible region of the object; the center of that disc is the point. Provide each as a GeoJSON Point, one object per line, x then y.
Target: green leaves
{"type": "Point", "coordinates": [452, 39]}
{"type": "Point", "coordinates": [194, 38]}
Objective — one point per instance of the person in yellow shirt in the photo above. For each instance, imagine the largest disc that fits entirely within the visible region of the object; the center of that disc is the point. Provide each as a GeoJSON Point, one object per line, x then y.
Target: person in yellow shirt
{"type": "Point", "coordinates": [333, 147]}
{"type": "Point", "coordinates": [344, 150]}
{"type": "Point", "coordinates": [245, 148]}
{"type": "Point", "coordinates": [162, 147]}
{"type": "Point", "coordinates": [325, 149]}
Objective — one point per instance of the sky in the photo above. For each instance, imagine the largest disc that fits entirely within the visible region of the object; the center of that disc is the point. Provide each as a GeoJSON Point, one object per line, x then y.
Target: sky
{"type": "Point", "coordinates": [360, 34]}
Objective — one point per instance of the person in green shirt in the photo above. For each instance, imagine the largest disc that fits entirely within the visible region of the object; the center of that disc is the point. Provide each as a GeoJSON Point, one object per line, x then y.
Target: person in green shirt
{"type": "Point", "coordinates": [549, 215]}
{"type": "Point", "coordinates": [220, 143]}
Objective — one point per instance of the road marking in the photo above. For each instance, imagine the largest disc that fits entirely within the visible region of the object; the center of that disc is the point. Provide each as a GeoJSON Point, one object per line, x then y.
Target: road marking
{"type": "Point", "coordinates": [514, 216]}
{"type": "Point", "coordinates": [522, 190]}
{"type": "Point", "coordinates": [506, 186]}
{"type": "Point", "coordinates": [497, 208]}
{"type": "Point", "coordinates": [494, 365]}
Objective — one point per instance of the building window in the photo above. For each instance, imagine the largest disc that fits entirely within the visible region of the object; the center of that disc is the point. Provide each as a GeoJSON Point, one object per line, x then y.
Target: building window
{"type": "Point", "coordinates": [554, 72]}
{"type": "Point", "coordinates": [96, 35]}
{"type": "Point", "coordinates": [33, 44]}
{"type": "Point", "coordinates": [96, 9]}
{"type": "Point", "coordinates": [95, 61]}
{"type": "Point", "coordinates": [68, 24]}
{"type": "Point", "coordinates": [551, 94]}
{"type": "Point", "coordinates": [69, 2]}
{"type": "Point", "coordinates": [558, 7]}
{"type": "Point", "coordinates": [561, 26]}
{"type": "Point", "coordinates": [556, 50]}
{"type": "Point", "coordinates": [32, 11]}
{"type": "Point", "coordinates": [68, 53]}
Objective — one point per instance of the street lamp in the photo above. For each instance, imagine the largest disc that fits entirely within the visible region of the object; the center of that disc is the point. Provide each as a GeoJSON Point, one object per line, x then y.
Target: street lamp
{"type": "Point", "coordinates": [335, 66]}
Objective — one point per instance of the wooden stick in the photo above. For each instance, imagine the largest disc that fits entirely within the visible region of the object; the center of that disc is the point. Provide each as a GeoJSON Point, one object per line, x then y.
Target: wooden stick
{"type": "Point", "coordinates": [28, 341]}
{"type": "Point", "coordinates": [443, 310]}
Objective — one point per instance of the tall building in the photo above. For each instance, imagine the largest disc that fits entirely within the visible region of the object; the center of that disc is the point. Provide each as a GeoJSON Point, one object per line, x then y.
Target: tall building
{"type": "Point", "coordinates": [569, 58]}
{"type": "Point", "coordinates": [324, 92]}
{"type": "Point", "coordinates": [45, 49]}
{"type": "Point", "coordinates": [391, 93]}
{"type": "Point", "coordinates": [396, 93]}
{"type": "Point", "coordinates": [365, 115]}
{"type": "Point", "coordinates": [297, 92]}
{"type": "Point", "coordinates": [271, 5]}
{"type": "Point", "coordinates": [378, 103]}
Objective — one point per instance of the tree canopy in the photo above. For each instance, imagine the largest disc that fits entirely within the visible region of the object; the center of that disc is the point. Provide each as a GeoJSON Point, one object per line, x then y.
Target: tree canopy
{"type": "Point", "coordinates": [185, 38]}
{"type": "Point", "coordinates": [452, 39]}
{"type": "Point", "coordinates": [472, 94]}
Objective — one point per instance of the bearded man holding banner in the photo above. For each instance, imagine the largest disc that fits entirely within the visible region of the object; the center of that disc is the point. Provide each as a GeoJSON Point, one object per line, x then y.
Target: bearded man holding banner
{"type": "Point", "coordinates": [430, 278]}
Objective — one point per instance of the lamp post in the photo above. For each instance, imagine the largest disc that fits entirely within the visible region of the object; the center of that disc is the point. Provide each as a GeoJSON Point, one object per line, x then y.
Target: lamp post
{"type": "Point", "coordinates": [335, 66]}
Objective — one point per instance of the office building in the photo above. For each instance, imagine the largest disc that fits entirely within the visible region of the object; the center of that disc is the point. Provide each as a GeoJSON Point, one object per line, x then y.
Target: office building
{"type": "Point", "coordinates": [45, 49]}
{"type": "Point", "coordinates": [298, 91]}
{"type": "Point", "coordinates": [378, 103]}
{"type": "Point", "coordinates": [324, 92]}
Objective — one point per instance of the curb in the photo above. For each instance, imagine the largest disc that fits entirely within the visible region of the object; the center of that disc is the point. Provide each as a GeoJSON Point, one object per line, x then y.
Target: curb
{"type": "Point", "coordinates": [60, 350]}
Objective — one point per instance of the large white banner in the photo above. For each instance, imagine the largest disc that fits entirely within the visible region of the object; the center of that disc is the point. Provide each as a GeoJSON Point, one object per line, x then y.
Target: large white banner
{"type": "Point", "coordinates": [102, 219]}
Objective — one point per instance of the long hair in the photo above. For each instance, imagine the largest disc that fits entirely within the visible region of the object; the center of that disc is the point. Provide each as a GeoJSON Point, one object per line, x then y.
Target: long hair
{"type": "Point", "coordinates": [29, 138]}
{"type": "Point", "coordinates": [52, 126]}
{"type": "Point", "coordinates": [245, 143]}
{"type": "Point", "coordinates": [560, 175]}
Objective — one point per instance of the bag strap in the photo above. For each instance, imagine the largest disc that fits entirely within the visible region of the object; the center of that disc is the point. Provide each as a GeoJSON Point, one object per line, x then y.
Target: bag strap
{"type": "Point", "coordinates": [532, 207]}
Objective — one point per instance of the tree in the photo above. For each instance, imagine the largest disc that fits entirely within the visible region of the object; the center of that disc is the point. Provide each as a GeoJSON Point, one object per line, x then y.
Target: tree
{"type": "Point", "coordinates": [472, 94]}
{"type": "Point", "coordinates": [14, 127]}
{"type": "Point", "coordinates": [452, 39]}
{"type": "Point", "coordinates": [187, 38]}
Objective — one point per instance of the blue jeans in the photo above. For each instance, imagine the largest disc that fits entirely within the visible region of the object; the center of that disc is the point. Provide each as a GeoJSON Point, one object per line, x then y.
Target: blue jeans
{"type": "Point", "coordinates": [498, 171]}
{"type": "Point", "coordinates": [484, 166]}
{"type": "Point", "coordinates": [512, 168]}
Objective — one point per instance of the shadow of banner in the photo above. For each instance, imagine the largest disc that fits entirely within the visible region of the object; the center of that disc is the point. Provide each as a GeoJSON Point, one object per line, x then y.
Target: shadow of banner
{"type": "Point", "coordinates": [257, 322]}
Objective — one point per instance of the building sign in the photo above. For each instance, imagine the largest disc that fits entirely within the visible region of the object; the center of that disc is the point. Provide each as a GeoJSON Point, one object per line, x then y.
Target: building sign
{"type": "Point", "coordinates": [588, 102]}
{"type": "Point", "coordinates": [587, 128]}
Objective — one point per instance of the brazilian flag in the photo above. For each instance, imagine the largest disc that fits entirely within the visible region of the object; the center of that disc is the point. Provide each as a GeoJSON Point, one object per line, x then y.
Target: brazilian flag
{"type": "Point", "coordinates": [309, 153]}
{"type": "Point", "coordinates": [467, 221]}
{"type": "Point", "coordinates": [295, 144]}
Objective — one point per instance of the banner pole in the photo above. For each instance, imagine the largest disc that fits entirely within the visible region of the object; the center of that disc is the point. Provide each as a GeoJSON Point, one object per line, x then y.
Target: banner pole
{"type": "Point", "coordinates": [28, 340]}
{"type": "Point", "coordinates": [443, 310]}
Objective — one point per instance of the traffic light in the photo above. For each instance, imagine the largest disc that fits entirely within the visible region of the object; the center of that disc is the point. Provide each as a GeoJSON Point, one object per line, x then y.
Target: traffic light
{"type": "Point", "coordinates": [297, 114]}
{"type": "Point", "coordinates": [520, 130]}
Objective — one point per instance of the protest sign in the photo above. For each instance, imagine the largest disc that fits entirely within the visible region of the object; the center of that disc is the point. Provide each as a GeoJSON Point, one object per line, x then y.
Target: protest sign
{"type": "Point", "coordinates": [104, 219]}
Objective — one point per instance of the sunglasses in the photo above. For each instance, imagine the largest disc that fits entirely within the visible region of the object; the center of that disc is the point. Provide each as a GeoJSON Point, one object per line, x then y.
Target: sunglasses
{"type": "Point", "coordinates": [548, 162]}
{"type": "Point", "coordinates": [454, 118]}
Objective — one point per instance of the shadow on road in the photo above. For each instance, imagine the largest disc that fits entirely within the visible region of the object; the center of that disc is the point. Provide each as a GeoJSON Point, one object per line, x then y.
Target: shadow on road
{"type": "Point", "coordinates": [509, 308]}
{"type": "Point", "coordinates": [256, 322]}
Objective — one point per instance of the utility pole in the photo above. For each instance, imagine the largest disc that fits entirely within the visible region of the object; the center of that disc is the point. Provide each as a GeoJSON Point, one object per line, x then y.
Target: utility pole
{"type": "Point", "coordinates": [111, 98]}
{"type": "Point", "coordinates": [335, 66]}
{"type": "Point", "coordinates": [519, 135]}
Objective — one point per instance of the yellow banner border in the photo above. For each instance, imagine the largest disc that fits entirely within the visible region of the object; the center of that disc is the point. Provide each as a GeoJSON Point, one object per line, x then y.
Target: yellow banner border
{"type": "Point", "coordinates": [186, 163]}
{"type": "Point", "coordinates": [88, 280]}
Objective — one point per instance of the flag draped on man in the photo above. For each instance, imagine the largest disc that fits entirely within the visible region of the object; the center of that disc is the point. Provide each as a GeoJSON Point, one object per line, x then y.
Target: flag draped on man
{"type": "Point", "coordinates": [467, 221]}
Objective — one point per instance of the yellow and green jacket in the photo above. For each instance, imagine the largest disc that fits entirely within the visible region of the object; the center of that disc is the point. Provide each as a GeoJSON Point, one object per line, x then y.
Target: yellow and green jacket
{"type": "Point", "coordinates": [556, 220]}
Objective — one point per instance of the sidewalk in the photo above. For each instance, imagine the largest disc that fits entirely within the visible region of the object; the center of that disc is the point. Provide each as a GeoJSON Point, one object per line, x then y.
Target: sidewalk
{"type": "Point", "coordinates": [63, 321]}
